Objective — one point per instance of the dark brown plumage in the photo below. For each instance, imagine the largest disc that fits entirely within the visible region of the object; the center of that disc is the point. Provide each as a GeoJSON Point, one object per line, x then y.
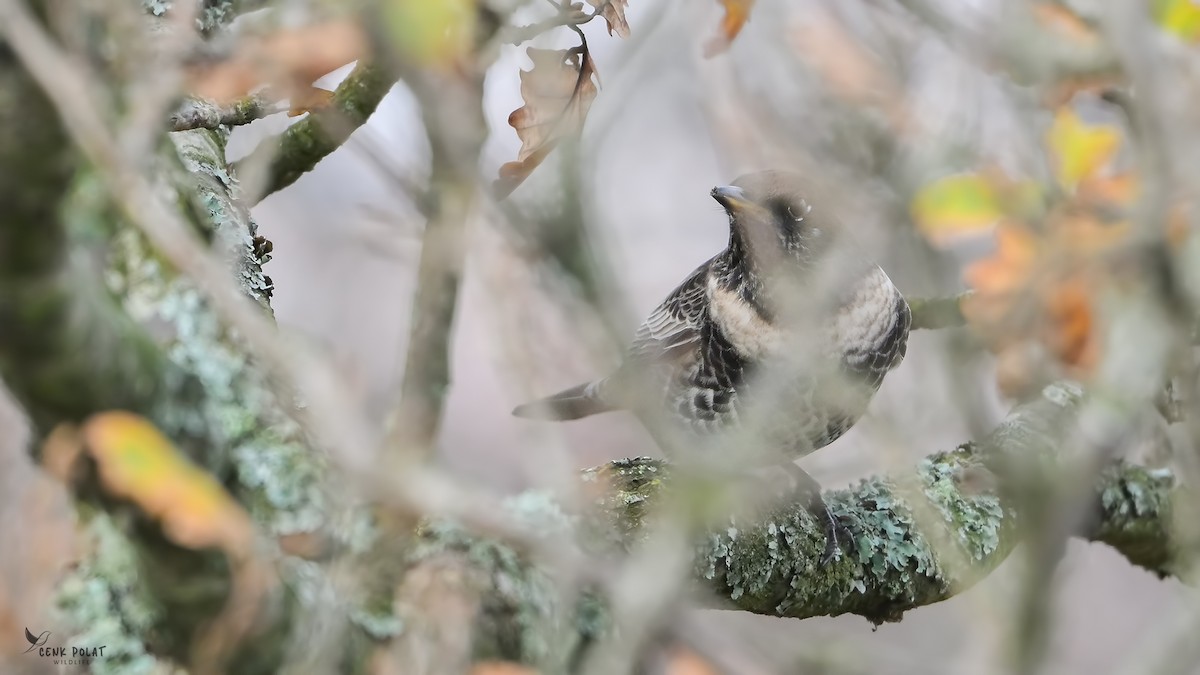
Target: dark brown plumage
{"type": "Point", "coordinates": [786, 334]}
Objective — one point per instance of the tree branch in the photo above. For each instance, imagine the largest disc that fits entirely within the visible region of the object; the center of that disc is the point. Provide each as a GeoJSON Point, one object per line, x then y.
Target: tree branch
{"type": "Point", "coordinates": [197, 113]}
{"type": "Point", "coordinates": [918, 539]}
{"type": "Point", "coordinates": [308, 141]}
{"type": "Point", "coordinates": [934, 313]}
{"type": "Point", "coordinates": [454, 123]}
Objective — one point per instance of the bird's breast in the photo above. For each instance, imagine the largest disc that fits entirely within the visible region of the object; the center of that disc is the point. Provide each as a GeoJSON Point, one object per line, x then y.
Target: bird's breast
{"type": "Point", "coordinates": [752, 336]}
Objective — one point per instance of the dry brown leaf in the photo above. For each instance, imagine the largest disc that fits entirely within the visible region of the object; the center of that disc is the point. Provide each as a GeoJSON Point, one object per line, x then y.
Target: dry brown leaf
{"type": "Point", "coordinates": [613, 12]}
{"type": "Point", "coordinates": [737, 12]}
{"type": "Point", "coordinates": [558, 92]}
{"type": "Point", "coordinates": [285, 59]}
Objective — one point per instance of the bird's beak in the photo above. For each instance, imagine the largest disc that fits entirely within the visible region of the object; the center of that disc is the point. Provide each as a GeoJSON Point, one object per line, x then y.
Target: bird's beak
{"type": "Point", "coordinates": [733, 198]}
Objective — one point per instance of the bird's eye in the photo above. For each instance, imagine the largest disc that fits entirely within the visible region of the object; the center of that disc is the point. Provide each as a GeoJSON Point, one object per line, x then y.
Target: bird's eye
{"type": "Point", "coordinates": [796, 212]}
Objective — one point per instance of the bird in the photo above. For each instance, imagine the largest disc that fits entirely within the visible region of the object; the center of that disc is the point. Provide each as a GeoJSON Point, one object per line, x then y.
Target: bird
{"type": "Point", "coordinates": [785, 334]}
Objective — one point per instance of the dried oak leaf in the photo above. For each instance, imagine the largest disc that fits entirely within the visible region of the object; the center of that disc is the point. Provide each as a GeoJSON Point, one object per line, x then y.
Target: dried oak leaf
{"type": "Point", "coordinates": [558, 92]}
{"type": "Point", "coordinates": [613, 12]}
{"type": "Point", "coordinates": [137, 462]}
{"type": "Point", "coordinates": [737, 13]}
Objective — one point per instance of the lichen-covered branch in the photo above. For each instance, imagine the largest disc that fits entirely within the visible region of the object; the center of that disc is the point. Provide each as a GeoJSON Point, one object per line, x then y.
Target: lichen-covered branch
{"type": "Point", "coordinates": [308, 141]}
{"type": "Point", "coordinates": [197, 113]}
{"type": "Point", "coordinates": [918, 538]}
{"type": "Point", "coordinates": [95, 320]}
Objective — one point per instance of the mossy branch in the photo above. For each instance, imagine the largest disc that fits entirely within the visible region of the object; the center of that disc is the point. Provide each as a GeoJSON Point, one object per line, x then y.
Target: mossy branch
{"type": "Point", "coordinates": [308, 141]}
{"type": "Point", "coordinates": [919, 538]}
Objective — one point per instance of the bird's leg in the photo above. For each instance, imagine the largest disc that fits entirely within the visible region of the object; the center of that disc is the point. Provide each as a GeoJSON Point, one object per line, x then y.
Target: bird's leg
{"type": "Point", "coordinates": [795, 484]}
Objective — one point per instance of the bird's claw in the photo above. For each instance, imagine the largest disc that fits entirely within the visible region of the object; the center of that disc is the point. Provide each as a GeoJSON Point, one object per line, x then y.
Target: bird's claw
{"type": "Point", "coordinates": [835, 534]}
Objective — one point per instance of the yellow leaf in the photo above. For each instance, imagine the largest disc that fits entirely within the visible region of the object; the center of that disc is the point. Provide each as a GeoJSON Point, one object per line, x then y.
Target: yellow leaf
{"type": "Point", "coordinates": [136, 462]}
{"type": "Point", "coordinates": [1079, 150]}
{"type": "Point", "coordinates": [956, 204]}
{"type": "Point", "coordinates": [431, 31]}
{"type": "Point", "coordinates": [1180, 18]}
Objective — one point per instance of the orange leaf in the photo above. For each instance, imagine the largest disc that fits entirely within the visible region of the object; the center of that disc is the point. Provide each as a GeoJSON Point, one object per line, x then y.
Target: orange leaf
{"type": "Point", "coordinates": [558, 93]}
{"type": "Point", "coordinates": [684, 661]}
{"type": "Point", "coordinates": [613, 12]}
{"type": "Point", "coordinates": [136, 462]}
{"type": "Point", "coordinates": [737, 13]}
{"type": "Point", "coordinates": [283, 59]}
{"type": "Point", "coordinates": [1069, 331]}
{"type": "Point", "coordinates": [1079, 150]}
{"type": "Point", "coordinates": [1011, 264]}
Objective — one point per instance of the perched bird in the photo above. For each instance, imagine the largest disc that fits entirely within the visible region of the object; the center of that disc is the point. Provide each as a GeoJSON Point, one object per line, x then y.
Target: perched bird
{"type": "Point", "coordinates": [784, 336]}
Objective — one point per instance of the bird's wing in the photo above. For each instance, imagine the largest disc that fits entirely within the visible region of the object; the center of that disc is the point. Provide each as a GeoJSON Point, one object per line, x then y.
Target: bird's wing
{"type": "Point", "coordinates": [673, 328]}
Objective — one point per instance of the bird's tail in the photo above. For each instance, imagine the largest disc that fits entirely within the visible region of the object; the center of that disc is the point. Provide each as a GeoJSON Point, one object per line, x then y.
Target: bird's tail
{"type": "Point", "coordinates": [569, 404]}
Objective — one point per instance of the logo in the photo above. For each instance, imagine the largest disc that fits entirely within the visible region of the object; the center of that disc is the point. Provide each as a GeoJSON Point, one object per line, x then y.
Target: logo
{"type": "Point", "coordinates": [35, 642]}
{"type": "Point", "coordinates": [62, 656]}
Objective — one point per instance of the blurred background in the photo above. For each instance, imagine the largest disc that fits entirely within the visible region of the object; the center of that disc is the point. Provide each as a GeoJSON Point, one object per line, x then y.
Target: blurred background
{"type": "Point", "coordinates": [667, 126]}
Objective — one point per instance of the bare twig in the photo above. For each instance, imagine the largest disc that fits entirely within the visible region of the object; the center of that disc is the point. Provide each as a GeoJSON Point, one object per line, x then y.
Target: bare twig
{"type": "Point", "coordinates": [453, 115]}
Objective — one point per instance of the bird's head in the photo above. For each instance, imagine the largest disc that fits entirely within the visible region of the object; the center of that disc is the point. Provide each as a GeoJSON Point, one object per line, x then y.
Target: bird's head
{"type": "Point", "coordinates": [772, 222]}
{"type": "Point", "coordinates": [776, 234]}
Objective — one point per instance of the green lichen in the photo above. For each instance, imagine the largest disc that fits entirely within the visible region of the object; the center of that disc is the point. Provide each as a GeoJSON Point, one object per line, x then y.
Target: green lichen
{"type": "Point", "coordinates": [978, 521]}
{"type": "Point", "coordinates": [526, 615]}
{"type": "Point", "coordinates": [1136, 516]}
{"type": "Point", "coordinates": [104, 600]}
{"type": "Point", "coordinates": [217, 193]}
{"type": "Point", "coordinates": [247, 433]}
